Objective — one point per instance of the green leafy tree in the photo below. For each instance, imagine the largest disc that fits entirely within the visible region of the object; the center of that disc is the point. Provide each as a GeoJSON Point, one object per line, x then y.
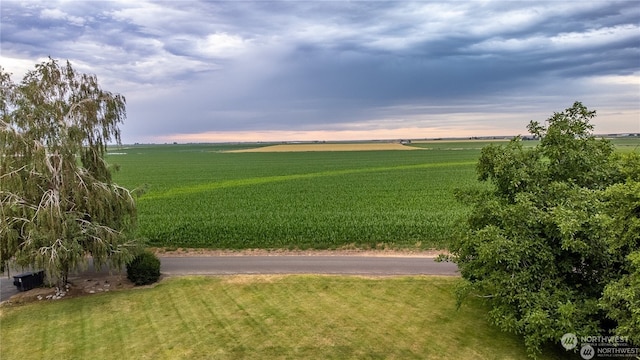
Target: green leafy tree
{"type": "Point", "coordinates": [553, 244]}
{"type": "Point", "coordinates": [58, 201]}
{"type": "Point", "coordinates": [621, 299]}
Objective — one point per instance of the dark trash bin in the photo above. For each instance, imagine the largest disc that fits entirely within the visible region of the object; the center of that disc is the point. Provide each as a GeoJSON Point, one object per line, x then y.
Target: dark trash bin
{"type": "Point", "coordinates": [28, 280]}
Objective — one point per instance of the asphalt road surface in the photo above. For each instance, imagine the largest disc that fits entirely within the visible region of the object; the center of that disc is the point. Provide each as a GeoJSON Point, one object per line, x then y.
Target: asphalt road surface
{"type": "Point", "coordinates": [339, 265]}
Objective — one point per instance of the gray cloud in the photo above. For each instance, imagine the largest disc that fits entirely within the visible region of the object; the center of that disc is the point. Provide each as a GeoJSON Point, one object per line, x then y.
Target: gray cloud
{"type": "Point", "coordinates": [200, 66]}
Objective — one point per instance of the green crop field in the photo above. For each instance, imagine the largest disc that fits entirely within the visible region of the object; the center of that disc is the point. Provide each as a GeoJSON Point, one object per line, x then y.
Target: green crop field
{"type": "Point", "coordinates": [204, 196]}
{"type": "Point", "coordinates": [201, 196]}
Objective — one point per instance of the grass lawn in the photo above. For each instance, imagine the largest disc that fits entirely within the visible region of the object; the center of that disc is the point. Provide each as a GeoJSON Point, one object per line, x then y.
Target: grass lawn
{"type": "Point", "coordinates": [261, 317]}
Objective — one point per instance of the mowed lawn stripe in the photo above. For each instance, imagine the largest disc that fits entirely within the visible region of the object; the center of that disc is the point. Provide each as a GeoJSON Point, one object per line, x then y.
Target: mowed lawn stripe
{"type": "Point", "coordinates": [266, 317]}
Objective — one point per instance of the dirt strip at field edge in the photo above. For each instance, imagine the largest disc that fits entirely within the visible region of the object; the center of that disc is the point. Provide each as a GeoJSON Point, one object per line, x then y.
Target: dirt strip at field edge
{"type": "Point", "coordinates": [164, 252]}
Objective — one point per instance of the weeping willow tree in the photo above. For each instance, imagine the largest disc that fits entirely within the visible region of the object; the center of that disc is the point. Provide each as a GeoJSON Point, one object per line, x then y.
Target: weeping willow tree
{"type": "Point", "coordinates": [58, 202]}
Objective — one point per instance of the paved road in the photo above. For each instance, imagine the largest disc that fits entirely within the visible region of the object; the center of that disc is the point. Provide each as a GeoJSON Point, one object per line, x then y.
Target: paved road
{"type": "Point", "coordinates": [343, 265]}
{"type": "Point", "coordinates": [348, 265]}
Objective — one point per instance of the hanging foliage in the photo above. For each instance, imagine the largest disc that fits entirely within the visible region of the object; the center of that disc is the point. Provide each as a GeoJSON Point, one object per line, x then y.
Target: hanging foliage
{"type": "Point", "coordinates": [59, 204]}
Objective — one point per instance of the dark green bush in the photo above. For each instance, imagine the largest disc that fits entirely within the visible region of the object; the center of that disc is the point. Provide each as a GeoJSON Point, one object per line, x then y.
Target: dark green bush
{"type": "Point", "coordinates": [144, 269]}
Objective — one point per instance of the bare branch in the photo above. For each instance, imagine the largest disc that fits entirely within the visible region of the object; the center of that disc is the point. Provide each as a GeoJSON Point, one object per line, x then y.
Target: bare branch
{"type": "Point", "coordinates": [9, 174]}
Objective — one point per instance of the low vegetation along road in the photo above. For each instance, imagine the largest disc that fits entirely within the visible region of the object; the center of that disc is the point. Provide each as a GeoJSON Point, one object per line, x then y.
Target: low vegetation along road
{"type": "Point", "coordinates": [289, 264]}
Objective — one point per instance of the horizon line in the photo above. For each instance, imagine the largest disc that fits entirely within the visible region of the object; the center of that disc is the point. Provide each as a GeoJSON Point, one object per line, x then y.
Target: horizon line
{"type": "Point", "coordinates": [394, 140]}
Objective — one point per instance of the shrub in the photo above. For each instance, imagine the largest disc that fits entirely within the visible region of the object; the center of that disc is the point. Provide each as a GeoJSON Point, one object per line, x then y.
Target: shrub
{"type": "Point", "coordinates": [144, 269]}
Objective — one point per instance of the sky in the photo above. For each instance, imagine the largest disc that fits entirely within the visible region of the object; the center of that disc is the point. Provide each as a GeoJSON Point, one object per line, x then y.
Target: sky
{"type": "Point", "coordinates": [210, 71]}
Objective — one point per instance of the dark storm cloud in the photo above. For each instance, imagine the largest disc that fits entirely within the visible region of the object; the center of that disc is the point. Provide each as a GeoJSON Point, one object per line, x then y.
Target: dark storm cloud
{"type": "Point", "coordinates": [202, 66]}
